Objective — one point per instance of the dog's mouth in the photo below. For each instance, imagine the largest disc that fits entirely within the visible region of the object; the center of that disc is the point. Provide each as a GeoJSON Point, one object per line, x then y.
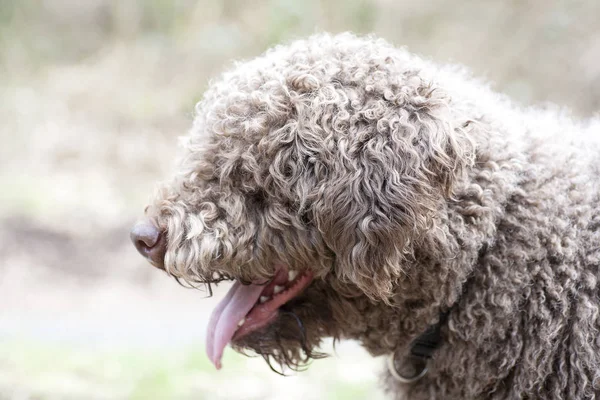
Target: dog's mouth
{"type": "Point", "coordinates": [247, 308]}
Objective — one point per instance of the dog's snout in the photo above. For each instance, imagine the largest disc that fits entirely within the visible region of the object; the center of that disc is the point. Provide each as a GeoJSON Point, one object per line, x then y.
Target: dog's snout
{"type": "Point", "coordinates": [149, 241]}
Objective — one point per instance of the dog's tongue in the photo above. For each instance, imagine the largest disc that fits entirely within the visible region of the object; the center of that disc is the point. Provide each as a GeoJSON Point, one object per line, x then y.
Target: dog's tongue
{"type": "Point", "coordinates": [226, 316]}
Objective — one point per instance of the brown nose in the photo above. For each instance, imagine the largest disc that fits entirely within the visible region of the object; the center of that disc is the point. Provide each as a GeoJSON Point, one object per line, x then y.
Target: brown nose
{"type": "Point", "coordinates": [149, 242]}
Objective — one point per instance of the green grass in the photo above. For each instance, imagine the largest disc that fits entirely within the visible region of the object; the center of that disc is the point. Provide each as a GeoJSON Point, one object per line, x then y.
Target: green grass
{"type": "Point", "coordinates": [46, 370]}
{"type": "Point", "coordinates": [50, 370]}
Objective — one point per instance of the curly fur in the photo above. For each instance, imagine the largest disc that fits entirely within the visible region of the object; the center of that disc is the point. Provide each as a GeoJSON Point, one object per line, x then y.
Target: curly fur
{"type": "Point", "coordinates": [409, 189]}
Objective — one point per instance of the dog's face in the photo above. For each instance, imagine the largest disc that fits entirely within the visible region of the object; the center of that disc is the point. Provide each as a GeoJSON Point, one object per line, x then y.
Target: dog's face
{"type": "Point", "coordinates": [308, 177]}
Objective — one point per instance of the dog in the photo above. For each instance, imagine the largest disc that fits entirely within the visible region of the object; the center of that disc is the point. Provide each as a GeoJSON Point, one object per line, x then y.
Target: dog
{"type": "Point", "coordinates": [353, 190]}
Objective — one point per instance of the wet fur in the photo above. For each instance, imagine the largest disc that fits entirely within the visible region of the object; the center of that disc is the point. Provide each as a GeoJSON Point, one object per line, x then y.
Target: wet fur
{"type": "Point", "coordinates": [409, 189]}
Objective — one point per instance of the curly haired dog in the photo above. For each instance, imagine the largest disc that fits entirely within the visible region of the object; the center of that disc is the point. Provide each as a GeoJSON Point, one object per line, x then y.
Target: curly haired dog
{"type": "Point", "coordinates": [353, 190]}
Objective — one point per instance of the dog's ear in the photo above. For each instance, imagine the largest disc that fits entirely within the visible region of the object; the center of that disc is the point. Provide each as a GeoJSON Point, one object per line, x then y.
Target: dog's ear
{"type": "Point", "coordinates": [389, 178]}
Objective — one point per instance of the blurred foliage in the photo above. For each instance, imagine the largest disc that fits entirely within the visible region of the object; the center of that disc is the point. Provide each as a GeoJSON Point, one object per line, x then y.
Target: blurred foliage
{"type": "Point", "coordinates": [35, 33]}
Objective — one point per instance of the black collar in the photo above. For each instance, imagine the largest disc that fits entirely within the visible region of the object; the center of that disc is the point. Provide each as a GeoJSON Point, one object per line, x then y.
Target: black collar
{"type": "Point", "coordinates": [425, 345]}
{"type": "Point", "coordinates": [414, 365]}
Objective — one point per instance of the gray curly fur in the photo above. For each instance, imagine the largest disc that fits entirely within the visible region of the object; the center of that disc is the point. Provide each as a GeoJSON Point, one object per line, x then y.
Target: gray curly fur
{"type": "Point", "coordinates": [409, 189]}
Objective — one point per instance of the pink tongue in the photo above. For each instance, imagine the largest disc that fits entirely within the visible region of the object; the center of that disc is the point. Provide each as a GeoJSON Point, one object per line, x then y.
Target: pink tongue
{"type": "Point", "coordinates": [226, 316]}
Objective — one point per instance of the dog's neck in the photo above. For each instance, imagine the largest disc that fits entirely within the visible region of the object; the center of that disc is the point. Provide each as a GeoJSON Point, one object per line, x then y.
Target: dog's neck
{"type": "Point", "coordinates": [444, 259]}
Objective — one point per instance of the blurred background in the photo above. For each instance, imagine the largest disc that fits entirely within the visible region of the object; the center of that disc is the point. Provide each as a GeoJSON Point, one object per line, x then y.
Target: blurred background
{"type": "Point", "coordinates": [93, 96]}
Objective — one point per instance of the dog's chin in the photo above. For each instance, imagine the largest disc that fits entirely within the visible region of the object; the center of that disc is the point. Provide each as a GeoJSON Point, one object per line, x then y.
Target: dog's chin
{"type": "Point", "coordinates": [292, 338]}
{"type": "Point", "coordinates": [287, 341]}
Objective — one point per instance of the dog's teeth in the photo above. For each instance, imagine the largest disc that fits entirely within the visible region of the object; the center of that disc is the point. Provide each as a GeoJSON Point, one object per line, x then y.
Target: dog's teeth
{"type": "Point", "coordinates": [277, 289]}
{"type": "Point", "coordinates": [242, 322]}
{"type": "Point", "coordinates": [292, 275]}
{"type": "Point", "coordinates": [263, 299]}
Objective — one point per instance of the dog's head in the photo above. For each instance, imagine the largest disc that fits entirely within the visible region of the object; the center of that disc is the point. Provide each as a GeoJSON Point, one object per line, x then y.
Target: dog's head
{"type": "Point", "coordinates": [309, 176]}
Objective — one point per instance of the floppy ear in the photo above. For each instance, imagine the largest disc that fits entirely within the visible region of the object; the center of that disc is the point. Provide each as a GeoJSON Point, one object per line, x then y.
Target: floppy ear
{"type": "Point", "coordinates": [388, 180]}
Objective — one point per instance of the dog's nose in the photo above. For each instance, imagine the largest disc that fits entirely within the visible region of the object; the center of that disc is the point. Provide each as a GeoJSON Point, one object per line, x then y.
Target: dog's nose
{"type": "Point", "coordinates": [149, 242]}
